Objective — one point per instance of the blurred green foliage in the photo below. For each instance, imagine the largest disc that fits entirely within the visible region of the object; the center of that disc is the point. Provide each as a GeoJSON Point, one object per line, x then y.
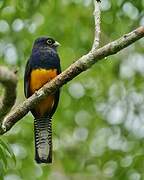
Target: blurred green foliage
{"type": "Point", "coordinates": [98, 129]}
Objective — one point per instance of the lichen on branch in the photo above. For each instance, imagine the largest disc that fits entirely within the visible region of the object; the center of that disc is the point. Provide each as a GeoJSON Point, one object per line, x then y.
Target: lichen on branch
{"type": "Point", "coordinates": [8, 79]}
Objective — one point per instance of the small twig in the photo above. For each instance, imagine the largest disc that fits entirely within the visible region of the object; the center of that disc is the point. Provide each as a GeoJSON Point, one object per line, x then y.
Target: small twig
{"type": "Point", "coordinates": [75, 69]}
{"type": "Point", "coordinates": [9, 80]}
{"type": "Point", "coordinates": [97, 16]}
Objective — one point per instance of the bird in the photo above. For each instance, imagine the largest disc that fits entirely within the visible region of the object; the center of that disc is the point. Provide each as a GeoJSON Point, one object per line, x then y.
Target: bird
{"type": "Point", "coordinates": [42, 66]}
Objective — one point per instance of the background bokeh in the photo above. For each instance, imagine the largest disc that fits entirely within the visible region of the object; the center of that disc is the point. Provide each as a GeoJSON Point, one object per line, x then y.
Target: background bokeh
{"type": "Point", "coordinates": [98, 129]}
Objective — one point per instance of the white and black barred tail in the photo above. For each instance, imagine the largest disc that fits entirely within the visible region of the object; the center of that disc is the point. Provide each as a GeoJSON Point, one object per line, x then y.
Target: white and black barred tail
{"type": "Point", "coordinates": [43, 140]}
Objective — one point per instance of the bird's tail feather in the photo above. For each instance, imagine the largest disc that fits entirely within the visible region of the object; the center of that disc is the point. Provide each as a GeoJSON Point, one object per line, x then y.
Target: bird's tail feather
{"type": "Point", "coordinates": [43, 140]}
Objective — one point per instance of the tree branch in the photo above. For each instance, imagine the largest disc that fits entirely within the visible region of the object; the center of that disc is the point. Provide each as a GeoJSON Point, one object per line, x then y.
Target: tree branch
{"type": "Point", "coordinates": [82, 64]}
{"type": "Point", "coordinates": [9, 81]}
{"type": "Point", "coordinates": [96, 14]}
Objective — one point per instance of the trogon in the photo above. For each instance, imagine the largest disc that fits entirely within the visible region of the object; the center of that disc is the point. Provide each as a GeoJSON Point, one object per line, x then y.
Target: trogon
{"type": "Point", "coordinates": [42, 66]}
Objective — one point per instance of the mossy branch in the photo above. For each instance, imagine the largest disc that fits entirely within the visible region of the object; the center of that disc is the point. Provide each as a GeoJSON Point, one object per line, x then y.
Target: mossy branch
{"type": "Point", "coordinates": [9, 81]}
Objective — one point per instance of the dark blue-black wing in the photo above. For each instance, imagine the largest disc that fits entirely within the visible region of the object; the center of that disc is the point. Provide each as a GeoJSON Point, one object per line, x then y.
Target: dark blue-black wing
{"type": "Point", "coordinates": [27, 79]}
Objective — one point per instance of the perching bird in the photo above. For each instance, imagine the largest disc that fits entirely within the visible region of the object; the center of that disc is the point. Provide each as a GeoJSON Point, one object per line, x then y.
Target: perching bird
{"type": "Point", "coordinates": [42, 66]}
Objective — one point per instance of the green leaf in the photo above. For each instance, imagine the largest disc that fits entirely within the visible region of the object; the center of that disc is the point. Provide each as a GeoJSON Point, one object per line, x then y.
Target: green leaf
{"type": "Point", "coordinates": [1, 170]}
{"type": "Point", "coordinates": [8, 149]}
{"type": "Point", "coordinates": [3, 156]}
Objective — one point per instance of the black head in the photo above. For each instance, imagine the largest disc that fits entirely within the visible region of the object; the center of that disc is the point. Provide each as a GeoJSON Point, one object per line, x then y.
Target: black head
{"type": "Point", "coordinates": [46, 42]}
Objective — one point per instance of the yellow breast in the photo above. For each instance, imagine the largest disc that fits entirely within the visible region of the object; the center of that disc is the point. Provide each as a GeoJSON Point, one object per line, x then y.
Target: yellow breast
{"type": "Point", "coordinates": [38, 78]}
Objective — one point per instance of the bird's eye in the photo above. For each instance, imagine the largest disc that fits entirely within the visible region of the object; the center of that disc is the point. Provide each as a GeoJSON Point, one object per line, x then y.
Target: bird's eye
{"type": "Point", "coordinates": [49, 41]}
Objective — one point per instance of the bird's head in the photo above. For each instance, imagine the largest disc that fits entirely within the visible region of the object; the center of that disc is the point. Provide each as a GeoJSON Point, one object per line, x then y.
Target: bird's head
{"type": "Point", "coordinates": [46, 42]}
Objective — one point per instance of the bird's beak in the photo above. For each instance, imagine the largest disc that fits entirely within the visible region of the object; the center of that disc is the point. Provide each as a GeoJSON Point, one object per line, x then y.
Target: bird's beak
{"type": "Point", "coordinates": [56, 44]}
